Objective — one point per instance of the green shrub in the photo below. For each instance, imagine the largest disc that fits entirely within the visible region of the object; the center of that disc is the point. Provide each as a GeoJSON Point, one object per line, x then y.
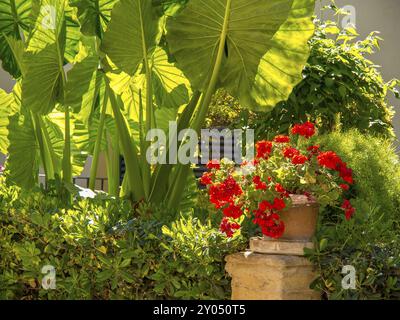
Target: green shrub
{"type": "Point", "coordinates": [100, 251]}
{"type": "Point", "coordinates": [224, 111]}
{"type": "Point", "coordinates": [371, 240]}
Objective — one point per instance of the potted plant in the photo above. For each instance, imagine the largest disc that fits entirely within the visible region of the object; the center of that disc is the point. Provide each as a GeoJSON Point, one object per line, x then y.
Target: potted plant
{"type": "Point", "coordinates": [282, 189]}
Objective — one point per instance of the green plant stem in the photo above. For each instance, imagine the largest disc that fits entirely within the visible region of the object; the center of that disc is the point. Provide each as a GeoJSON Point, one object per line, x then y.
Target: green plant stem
{"type": "Point", "coordinates": [113, 165]}
{"type": "Point", "coordinates": [146, 172]}
{"type": "Point", "coordinates": [49, 147]}
{"type": "Point", "coordinates": [97, 146]}
{"type": "Point", "coordinates": [67, 165]}
{"type": "Point", "coordinates": [161, 175]}
{"type": "Point", "coordinates": [144, 145]}
{"type": "Point", "coordinates": [46, 160]}
{"type": "Point", "coordinates": [133, 170]}
{"type": "Point", "coordinates": [66, 161]}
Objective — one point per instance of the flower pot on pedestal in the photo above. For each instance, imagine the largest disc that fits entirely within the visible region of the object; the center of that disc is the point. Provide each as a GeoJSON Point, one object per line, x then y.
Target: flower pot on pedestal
{"type": "Point", "coordinates": [275, 269]}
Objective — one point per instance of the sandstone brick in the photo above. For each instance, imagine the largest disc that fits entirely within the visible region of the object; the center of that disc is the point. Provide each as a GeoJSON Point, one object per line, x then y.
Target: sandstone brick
{"type": "Point", "coordinates": [270, 277]}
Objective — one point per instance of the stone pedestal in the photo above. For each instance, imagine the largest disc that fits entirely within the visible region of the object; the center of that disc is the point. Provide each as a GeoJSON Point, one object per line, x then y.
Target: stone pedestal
{"type": "Point", "coordinates": [273, 270]}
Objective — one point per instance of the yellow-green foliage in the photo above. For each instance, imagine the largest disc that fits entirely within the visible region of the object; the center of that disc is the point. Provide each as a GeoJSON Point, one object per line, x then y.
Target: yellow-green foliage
{"type": "Point", "coordinates": [371, 240]}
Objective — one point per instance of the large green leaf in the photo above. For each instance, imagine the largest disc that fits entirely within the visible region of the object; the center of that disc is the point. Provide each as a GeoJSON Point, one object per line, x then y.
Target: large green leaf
{"type": "Point", "coordinates": [171, 88]}
{"type": "Point", "coordinates": [169, 7]}
{"type": "Point", "coordinates": [83, 86]}
{"type": "Point", "coordinates": [44, 59]}
{"type": "Point", "coordinates": [5, 105]}
{"type": "Point", "coordinates": [132, 33]}
{"type": "Point", "coordinates": [55, 124]}
{"type": "Point", "coordinates": [17, 48]}
{"type": "Point", "coordinates": [14, 21]}
{"type": "Point", "coordinates": [280, 69]}
{"type": "Point", "coordinates": [23, 150]}
{"type": "Point", "coordinates": [73, 34]}
{"type": "Point", "coordinates": [93, 15]}
{"type": "Point", "coordinates": [265, 40]}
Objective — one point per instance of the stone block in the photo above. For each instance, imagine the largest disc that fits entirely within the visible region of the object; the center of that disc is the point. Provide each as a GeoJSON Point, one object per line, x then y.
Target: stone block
{"type": "Point", "coordinates": [258, 276]}
{"type": "Point", "coordinates": [281, 247]}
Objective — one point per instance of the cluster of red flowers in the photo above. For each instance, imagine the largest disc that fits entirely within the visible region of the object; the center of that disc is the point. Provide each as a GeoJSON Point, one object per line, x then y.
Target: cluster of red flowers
{"type": "Point", "coordinates": [332, 161]}
{"type": "Point", "coordinates": [206, 179]}
{"type": "Point", "coordinates": [222, 194]}
{"type": "Point", "coordinates": [282, 139]}
{"type": "Point", "coordinates": [306, 130]}
{"type": "Point", "coordinates": [228, 227]}
{"type": "Point", "coordinates": [260, 185]}
{"type": "Point", "coordinates": [264, 149]}
{"type": "Point", "coordinates": [267, 215]}
{"type": "Point", "coordinates": [348, 209]}
{"type": "Point", "coordinates": [229, 196]}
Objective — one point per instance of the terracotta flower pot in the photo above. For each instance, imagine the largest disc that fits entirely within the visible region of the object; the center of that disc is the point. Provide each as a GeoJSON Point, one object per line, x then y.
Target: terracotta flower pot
{"type": "Point", "coordinates": [301, 219]}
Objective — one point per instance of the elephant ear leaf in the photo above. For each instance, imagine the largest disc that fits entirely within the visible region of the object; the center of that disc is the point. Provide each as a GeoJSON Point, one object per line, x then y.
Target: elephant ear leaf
{"type": "Point", "coordinates": [5, 105]}
{"type": "Point", "coordinates": [171, 87]}
{"type": "Point", "coordinates": [14, 21]}
{"type": "Point", "coordinates": [281, 68]}
{"type": "Point", "coordinates": [83, 86]}
{"type": "Point", "coordinates": [55, 126]}
{"type": "Point", "coordinates": [44, 59]}
{"type": "Point", "coordinates": [93, 15]}
{"type": "Point", "coordinates": [133, 32]}
{"type": "Point", "coordinates": [260, 37]}
{"type": "Point", "coordinates": [23, 151]}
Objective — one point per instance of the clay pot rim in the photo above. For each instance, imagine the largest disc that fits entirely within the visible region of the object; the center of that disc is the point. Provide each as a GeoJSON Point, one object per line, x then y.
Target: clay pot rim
{"type": "Point", "coordinates": [299, 200]}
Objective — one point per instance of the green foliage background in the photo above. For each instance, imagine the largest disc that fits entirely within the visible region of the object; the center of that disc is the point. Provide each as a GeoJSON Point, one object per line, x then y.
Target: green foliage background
{"type": "Point", "coordinates": [371, 240]}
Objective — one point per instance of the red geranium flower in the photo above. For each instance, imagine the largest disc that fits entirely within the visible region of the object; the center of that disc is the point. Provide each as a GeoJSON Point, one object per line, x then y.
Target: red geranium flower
{"type": "Point", "coordinates": [329, 160]}
{"type": "Point", "coordinates": [313, 149]}
{"type": "Point", "coordinates": [279, 204]}
{"type": "Point", "coordinates": [345, 187]}
{"type": "Point", "coordinates": [233, 211]}
{"type": "Point", "coordinates": [223, 193]}
{"type": "Point", "coordinates": [299, 159]}
{"type": "Point", "coordinates": [229, 228]}
{"type": "Point", "coordinates": [348, 209]}
{"type": "Point", "coordinates": [274, 230]}
{"type": "Point", "coordinates": [306, 130]}
{"type": "Point", "coordinates": [260, 185]}
{"type": "Point", "coordinates": [264, 149]}
{"type": "Point", "coordinates": [206, 179]}
{"type": "Point", "coordinates": [284, 193]}
{"type": "Point", "coordinates": [213, 164]}
{"type": "Point", "coordinates": [282, 139]}
{"type": "Point", "coordinates": [264, 206]}
{"type": "Point", "coordinates": [346, 173]}
{"type": "Point", "coordinates": [290, 152]}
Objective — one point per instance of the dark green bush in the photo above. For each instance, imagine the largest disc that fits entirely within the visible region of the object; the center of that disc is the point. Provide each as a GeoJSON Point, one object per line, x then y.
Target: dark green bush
{"type": "Point", "coordinates": [371, 240]}
{"type": "Point", "coordinates": [101, 252]}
